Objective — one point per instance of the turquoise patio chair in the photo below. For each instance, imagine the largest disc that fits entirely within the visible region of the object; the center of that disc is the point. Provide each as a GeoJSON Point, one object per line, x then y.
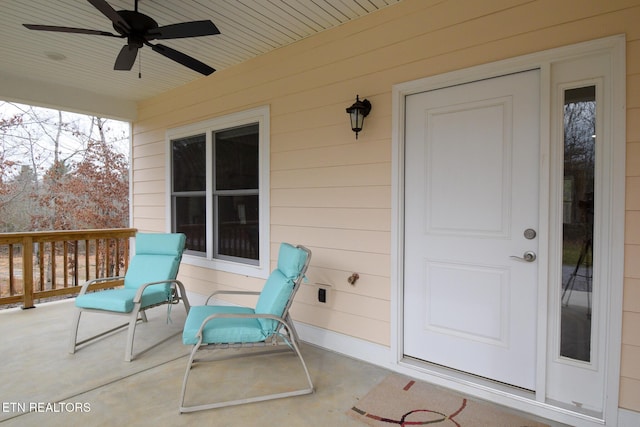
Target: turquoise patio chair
{"type": "Point", "coordinates": [150, 281]}
{"type": "Point", "coordinates": [268, 324]}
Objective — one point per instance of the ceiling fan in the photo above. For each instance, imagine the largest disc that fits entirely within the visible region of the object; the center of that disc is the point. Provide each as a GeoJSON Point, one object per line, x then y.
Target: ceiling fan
{"type": "Point", "coordinates": [139, 29]}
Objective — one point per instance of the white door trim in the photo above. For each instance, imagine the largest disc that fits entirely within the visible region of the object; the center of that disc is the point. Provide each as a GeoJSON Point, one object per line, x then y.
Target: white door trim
{"type": "Point", "coordinates": [615, 46]}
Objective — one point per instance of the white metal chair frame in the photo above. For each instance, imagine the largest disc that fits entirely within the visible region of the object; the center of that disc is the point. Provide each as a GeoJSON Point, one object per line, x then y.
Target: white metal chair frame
{"type": "Point", "coordinates": [277, 342]}
{"type": "Point", "coordinates": [137, 314]}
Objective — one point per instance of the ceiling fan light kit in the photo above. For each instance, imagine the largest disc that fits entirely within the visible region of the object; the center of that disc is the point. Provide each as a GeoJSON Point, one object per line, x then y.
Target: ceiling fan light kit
{"type": "Point", "coordinates": [139, 29]}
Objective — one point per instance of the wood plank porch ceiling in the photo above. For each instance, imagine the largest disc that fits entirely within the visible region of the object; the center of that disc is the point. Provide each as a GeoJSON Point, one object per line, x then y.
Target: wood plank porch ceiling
{"type": "Point", "coordinates": [248, 28]}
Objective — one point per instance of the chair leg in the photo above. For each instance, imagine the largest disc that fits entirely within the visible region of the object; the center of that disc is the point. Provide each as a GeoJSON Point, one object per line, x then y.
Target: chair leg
{"type": "Point", "coordinates": [291, 328]}
{"type": "Point", "coordinates": [182, 408]}
{"type": "Point", "coordinates": [182, 295]}
{"type": "Point", "coordinates": [74, 331]}
{"type": "Point", "coordinates": [133, 321]}
{"type": "Point", "coordinates": [296, 349]}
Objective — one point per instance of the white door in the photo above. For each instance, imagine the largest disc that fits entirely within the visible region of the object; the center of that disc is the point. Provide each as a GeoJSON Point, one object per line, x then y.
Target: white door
{"type": "Point", "coordinates": [471, 218]}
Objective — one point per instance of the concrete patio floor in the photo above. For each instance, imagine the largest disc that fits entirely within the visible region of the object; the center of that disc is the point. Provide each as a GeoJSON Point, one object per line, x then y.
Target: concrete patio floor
{"type": "Point", "coordinates": [42, 384]}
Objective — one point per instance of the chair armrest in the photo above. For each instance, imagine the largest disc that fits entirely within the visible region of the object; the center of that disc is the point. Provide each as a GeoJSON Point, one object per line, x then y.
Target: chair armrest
{"type": "Point", "coordinates": [85, 285]}
{"type": "Point", "coordinates": [230, 293]}
{"type": "Point", "coordinates": [238, 316]}
{"type": "Point", "coordinates": [144, 286]}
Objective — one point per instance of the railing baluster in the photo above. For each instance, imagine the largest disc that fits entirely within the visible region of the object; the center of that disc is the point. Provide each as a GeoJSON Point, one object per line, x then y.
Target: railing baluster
{"type": "Point", "coordinates": [65, 264]}
{"type": "Point", "coordinates": [97, 258]}
{"type": "Point", "coordinates": [87, 252]}
{"type": "Point", "coordinates": [107, 250]}
{"type": "Point", "coordinates": [12, 277]}
{"type": "Point", "coordinates": [126, 257]}
{"type": "Point", "coordinates": [76, 243]}
{"type": "Point", "coordinates": [41, 249]}
{"type": "Point", "coordinates": [53, 264]}
{"type": "Point", "coordinates": [27, 272]}
{"type": "Point", "coordinates": [117, 261]}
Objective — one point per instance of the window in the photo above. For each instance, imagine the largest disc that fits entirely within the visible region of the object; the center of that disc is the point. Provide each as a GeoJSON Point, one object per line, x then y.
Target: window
{"type": "Point", "coordinates": [578, 222]}
{"type": "Point", "coordinates": [218, 191]}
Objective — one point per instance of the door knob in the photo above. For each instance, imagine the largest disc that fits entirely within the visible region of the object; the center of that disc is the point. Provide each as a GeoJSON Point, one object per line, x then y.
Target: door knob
{"type": "Point", "coordinates": [528, 256]}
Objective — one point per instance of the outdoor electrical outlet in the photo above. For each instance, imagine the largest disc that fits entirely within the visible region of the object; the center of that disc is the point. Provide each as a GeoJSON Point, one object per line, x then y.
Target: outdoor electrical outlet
{"type": "Point", "coordinates": [322, 295]}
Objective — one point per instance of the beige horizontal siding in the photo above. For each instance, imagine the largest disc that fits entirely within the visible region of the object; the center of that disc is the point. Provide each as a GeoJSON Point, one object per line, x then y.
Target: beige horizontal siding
{"type": "Point", "coordinates": [302, 156]}
{"type": "Point", "coordinates": [155, 149]}
{"type": "Point", "coordinates": [333, 193]}
{"type": "Point", "coordinates": [342, 322]}
{"type": "Point", "coordinates": [630, 358]}
{"type": "Point", "coordinates": [340, 218]}
{"type": "Point", "coordinates": [369, 285]}
{"type": "Point", "coordinates": [150, 200]}
{"type": "Point", "coordinates": [341, 197]}
{"type": "Point", "coordinates": [148, 187]}
{"type": "Point", "coordinates": [629, 393]}
{"type": "Point", "coordinates": [334, 176]}
{"type": "Point", "coordinates": [631, 295]}
{"type": "Point", "coordinates": [344, 239]}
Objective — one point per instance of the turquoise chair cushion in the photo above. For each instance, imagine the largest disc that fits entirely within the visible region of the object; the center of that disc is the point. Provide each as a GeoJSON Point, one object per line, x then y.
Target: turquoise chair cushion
{"type": "Point", "coordinates": [157, 258]}
{"type": "Point", "coordinates": [120, 300]}
{"type": "Point", "coordinates": [291, 260]}
{"type": "Point", "coordinates": [151, 268]}
{"type": "Point", "coordinates": [160, 243]}
{"type": "Point", "coordinates": [222, 331]}
{"type": "Point", "coordinates": [274, 298]}
{"type": "Point", "coordinates": [279, 286]}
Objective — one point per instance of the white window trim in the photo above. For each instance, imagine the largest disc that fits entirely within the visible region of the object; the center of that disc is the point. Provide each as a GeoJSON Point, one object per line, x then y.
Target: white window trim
{"type": "Point", "coordinates": [258, 115]}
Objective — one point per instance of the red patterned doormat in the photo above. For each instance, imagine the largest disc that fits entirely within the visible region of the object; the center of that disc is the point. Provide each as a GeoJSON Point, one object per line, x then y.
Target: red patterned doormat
{"type": "Point", "coordinates": [398, 400]}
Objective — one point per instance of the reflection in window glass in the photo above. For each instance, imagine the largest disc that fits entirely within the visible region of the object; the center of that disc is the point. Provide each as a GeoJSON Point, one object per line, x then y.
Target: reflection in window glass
{"type": "Point", "coordinates": [190, 213]}
{"type": "Point", "coordinates": [578, 213]}
{"type": "Point", "coordinates": [236, 158]}
{"type": "Point", "coordinates": [236, 194]}
{"type": "Point", "coordinates": [238, 231]}
{"type": "Point", "coordinates": [188, 181]}
{"type": "Point", "coordinates": [189, 167]}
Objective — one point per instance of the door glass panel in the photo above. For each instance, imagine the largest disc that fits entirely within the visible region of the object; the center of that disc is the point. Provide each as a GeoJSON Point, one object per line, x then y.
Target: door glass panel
{"type": "Point", "coordinates": [577, 239]}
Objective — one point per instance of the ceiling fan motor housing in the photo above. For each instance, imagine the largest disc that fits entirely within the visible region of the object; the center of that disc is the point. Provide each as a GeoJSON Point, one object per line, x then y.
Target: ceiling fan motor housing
{"type": "Point", "coordinates": [139, 23]}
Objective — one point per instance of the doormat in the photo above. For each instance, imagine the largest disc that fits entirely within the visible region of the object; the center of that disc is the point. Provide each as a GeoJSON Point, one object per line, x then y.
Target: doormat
{"type": "Point", "coordinates": [399, 400]}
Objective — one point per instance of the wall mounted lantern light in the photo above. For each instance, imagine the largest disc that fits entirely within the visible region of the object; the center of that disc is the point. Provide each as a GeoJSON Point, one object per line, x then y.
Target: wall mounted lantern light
{"type": "Point", "coordinates": [357, 112]}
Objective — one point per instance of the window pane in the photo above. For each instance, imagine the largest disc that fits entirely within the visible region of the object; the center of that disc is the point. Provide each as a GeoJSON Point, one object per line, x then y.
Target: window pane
{"type": "Point", "coordinates": [189, 164]}
{"type": "Point", "coordinates": [236, 158]}
{"type": "Point", "coordinates": [578, 212]}
{"type": "Point", "coordinates": [238, 232]}
{"type": "Point", "coordinates": [190, 214]}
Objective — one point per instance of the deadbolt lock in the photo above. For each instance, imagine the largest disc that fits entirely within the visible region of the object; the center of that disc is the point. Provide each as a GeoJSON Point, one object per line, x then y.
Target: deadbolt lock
{"type": "Point", "coordinates": [530, 234]}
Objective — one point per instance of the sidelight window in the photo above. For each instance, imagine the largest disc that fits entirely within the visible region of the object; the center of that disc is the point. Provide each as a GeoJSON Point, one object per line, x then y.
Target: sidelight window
{"type": "Point", "coordinates": [578, 222]}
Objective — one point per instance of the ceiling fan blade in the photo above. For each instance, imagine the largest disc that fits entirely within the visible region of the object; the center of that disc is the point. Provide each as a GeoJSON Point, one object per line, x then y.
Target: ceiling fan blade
{"type": "Point", "coordinates": [69, 30]}
{"type": "Point", "coordinates": [111, 13]}
{"type": "Point", "coordinates": [183, 30]}
{"type": "Point", "coordinates": [183, 59]}
{"type": "Point", "coordinates": [126, 58]}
